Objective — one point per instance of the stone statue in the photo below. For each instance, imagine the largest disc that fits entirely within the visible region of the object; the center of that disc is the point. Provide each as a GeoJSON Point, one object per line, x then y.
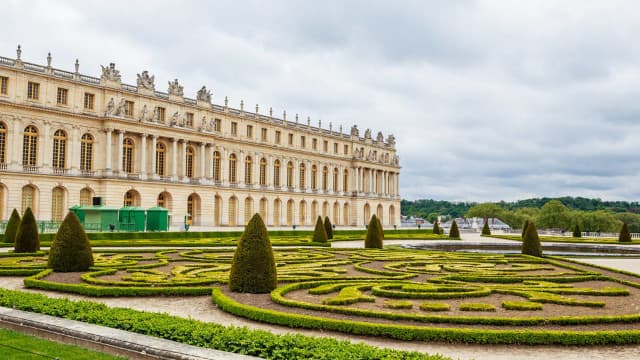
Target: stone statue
{"type": "Point", "coordinates": [143, 113]}
{"type": "Point", "coordinates": [379, 138]}
{"type": "Point", "coordinates": [155, 115]}
{"type": "Point", "coordinates": [204, 95]}
{"type": "Point", "coordinates": [391, 140]}
{"type": "Point", "coordinates": [175, 88]}
{"type": "Point", "coordinates": [121, 108]}
{"type": "Point", "coordinates": [211, 125]}
{"type": "Point", "coordinates": [145, 81]}
{"type": "Point", "coordinates": [354, 131]}
{"type": "Point", "coordinates": [367, 134]}
{"type": "Point", "coordinates": [111, 105]}
{"type": "Point", "coordinates": [174, 118]}
{"type": "Point", "coordinates": [110, 73]}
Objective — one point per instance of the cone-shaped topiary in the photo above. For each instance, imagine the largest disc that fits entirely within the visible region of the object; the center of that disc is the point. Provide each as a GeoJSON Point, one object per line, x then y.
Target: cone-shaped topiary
{"type": "Point", "coordinates": [524, 228]}
{"type": "Point", "coordinates": [380, 229]}
{"type": "Point", "coordinates": [328, 228]}
{"type": "Point", "coordinates": [436, 228]}
{"type": "Point", "coordinates": [319, 233]}
{"type": "Point", "coordinates": [70, 249]}
{"type": "Point", "coordinates": [253, 269]}
{"type": "Point", "coordinates": [531, 241]}
{"type": "Point", "coordinates": [485, 228]}
{"type": "Point", "coordinates": [374, 237]}
{"type": "Point", "coordinates": [27, 240]}
{"type": "Point", "coordinates": [576, 232]}
{"type": "Point", "coordinates": [12, 227]}
{"type": "Point", "coordinates": [454, 233]}
{"type": "Point", "coordinates": [625, 235]}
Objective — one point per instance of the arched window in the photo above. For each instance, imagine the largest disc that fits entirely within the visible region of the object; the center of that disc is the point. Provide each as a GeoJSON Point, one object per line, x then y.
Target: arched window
{"type": "Point", "coordinates": [30, 146]}
{"type": "Point", "coordinates": [314, 211]}
{"type": "Point", "coordinates": [303, 212]}
{"type": "Point", "coordinates": [289, 212]}
{"type": "Point", "coordinates": [85, 197]}
{"type": "Point", "coordinates": [86, 152]}
{"type": "Point", "coordinates": [248, 165]}
{"type": "Point", "coordinates": [233, 170]}
{"type": "Point", "coordinates": [57, 204]}
{"type": "Point", "coordinates": [325, 178]}
{"type": "Point", "coordinates": [248, 209]}
{"type": "Point", "coordinates": [28, 198]}
{"type": "Point", "coordinates": [303, 172]}
{"type": "Point", "coordinates": [276, 212]}
{"type": "Point", "coordinates": [190, 205]}
{"type": "Point", "coordinates": [289, 174]}
{"type": "Point", "coordinates": [161, 202]}
{"type": "Point", "coordinates": [127, 155]}
{"type": "Point", "coordinates": [216, 166]}
{"type": "Point", "coordinates": [3, 143]}
{"type": "Point", "coordinates": [335, 179]}
{"type": "Point", "coordinates": [336, 213]}
{"type": "Point", "coordinates": [276, 173]}
{"type": "Point", "coordinates": [129, 198]}
{"type": "Point", "coordinates": [380, 213]}
{"type": "Point", "coordinates": [59, 149]}
{"type": "Point", "coordinates": [189, 162]}
{"type": "Point", "coordinates": [263, 209]}
{"type": "Point", "coordinates": [263, 171]}
{"type": "Point", "coordinates": [217, 210]}
{"type": "Point", "coordinates": [314, 178]}
{"type": "Point", "coordinates": [345, 215]}
{"type": "Point", "coordinates": [233, 210]}
{"type": "Point", "coordinates": [161, 156]}
{"type": "Point", "coordinates": [325, 209]}
{"type": "Point", "coordinates": [345, 181]}
{"type": "Point", "coordinates": [367, 213]}
{"type": "Point", "coordinates": [392, 215]}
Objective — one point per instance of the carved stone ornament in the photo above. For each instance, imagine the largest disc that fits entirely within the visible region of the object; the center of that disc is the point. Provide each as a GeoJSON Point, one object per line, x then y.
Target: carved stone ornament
{"type": "Point", "coordinates": [144, 113]}
{"type": "Point", "coordinates": [111, 106]}
{"type": "Point", "coordinates": [204, 95]}
{"type": "Point", "coordinates": [121, 107]}
{"type": "Point", "coordinates": [355, 131]}
{"type": "Point", "coordinates": [391, 140]}
{"type": "Point", "coordinates": [175, 88]}
{"type": "Point", "coordinates": [367, 134]}
{"type": "Point", "coordinates": [174, 118]}
{"type": "Point", "coordinates": [380, 137]}
{"type": "Point", "coordinates": [110, 73]}
{"type": "Point", "coordinates": [145, 81]}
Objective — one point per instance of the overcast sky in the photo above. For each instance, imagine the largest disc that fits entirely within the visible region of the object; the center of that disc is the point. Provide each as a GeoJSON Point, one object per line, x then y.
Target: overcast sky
{"type": "Point", "coordinates": [488, 100]}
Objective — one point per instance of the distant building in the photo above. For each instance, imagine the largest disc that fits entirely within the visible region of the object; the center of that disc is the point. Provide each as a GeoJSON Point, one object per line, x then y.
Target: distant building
{"type": "Point", "coordinates": [412, 221]}
{"type": "Point", "coordinates": [477, 223]}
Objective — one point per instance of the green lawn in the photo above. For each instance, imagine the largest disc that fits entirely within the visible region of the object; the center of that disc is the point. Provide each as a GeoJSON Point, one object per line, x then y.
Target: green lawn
{"type": "Point", "coordinates": [566, 239]}
{"type": "Point", "coordinates": [16, 346]}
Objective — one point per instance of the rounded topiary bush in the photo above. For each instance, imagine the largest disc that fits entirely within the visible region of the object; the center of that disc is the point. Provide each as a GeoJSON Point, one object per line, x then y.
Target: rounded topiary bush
{"type": "Point", "coordinates": [485, 228]}
{"type": "Point", "coordinates": [27, 239]}
{"type": "Point", "coordinates": [531, 242]}
{"type": "Point", "coordinates": [319, 233]}
{"type": "Point", "coordinates": [253, 269]}
{"type": "Point", "coordinates": [625, 234]}
{"type": "Point", "coordinates": [436, 228]}
{"type": "Point", "coordinates": [12, 227]}
{"type": "Point", "coordinates": [524, 228]}
{"type": "Point", "coordinates": [70, 249]}
{"type": "Point", "coordinates": [374, 237]}
{"type": "Point", "coordinates": [454, 233]}
{"type": "Point", "coordinates": [577, 232]}
{"type": "Point", "coordinates": [328, 227]}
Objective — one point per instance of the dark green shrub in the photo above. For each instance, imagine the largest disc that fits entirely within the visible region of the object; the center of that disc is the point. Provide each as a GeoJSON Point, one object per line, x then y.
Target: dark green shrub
{"type": "Point", "coordinates": [319, 233]}
{"type": "Point", "coordinates": [328, 227]}
{"type": "Point", "coordinates": [524, 228]}
{"type": "Point", "coordinates": [436, 228]}
{"type": "Point", "coordinates": [625, 235]}
{"type": "Point", "coordinates": [454, 233]}
{"type": "Point", "coordinates": [70, 250]}
{"type": "Point", "coordinates": [27, 240]}
{"type": "Point", "coordinates": [531, 241]}
{"type": "Point", "coordinates": [485, 228]}
{"type": "Point", "coordinates": [12, 227]}
{"type": "Point", "coordinates": [576, 231]}
{"type": "Point", "coordinates": [253, 269]}
{"type": "Point", "coordinates": [374, 237]}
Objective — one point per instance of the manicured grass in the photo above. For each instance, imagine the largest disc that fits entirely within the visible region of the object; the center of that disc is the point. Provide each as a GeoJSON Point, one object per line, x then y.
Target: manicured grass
{"type": "Point", "coordinates": [17, 346]}
{"type": "Point", "coordinates": [567, 239]}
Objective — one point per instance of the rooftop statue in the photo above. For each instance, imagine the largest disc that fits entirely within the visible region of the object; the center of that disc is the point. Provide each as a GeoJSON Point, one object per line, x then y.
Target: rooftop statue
{"type": "Point", "coordinates": [145, 81]}
{"type": "Point", "coordinates": [355, 131]}
{"type": "Point", "coordinates": [175, 88]}
{"type": "Point", "coordinates": [110, 73]}
{"type": "Point", "coordinates": [204, 94]}
{"type": "Point", "coordinates": [367, 134]}
{"type": "Point", "coordinates": [391, 140]}
{"type": "Point", "coordinates": [379, 138]}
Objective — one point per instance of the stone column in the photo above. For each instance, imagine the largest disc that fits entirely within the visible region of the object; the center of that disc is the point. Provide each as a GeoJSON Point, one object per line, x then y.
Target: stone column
{"type": "Point", "coordinates": [296, 174]}
{"type": "Point", "coordinates": [74, 152]}
{"type": "Point", "coordinates": [174, 159]}
{"type": "Point", "coordinates": [203, 163]}
{"type": "Point", "coordinates": [212, 148]}
{"type": "Point", "coordinates": [119, 159]}
{"type": "Point", "coordinates": [240, 171]}
{"type": "Point", "coordinates": [108, 154]}
{"type": "Point", "coordinates": [143, 156]}
{"type": "Point", "coordinates": [154, 143]}
{"type": "Point", "coordinates": [224, 162]}
{"type": "Point", "coordinates": [44, 149]}
{"type": "Point", "coordinates": [269, 172]}
{"type": "Point", "coordinates": [183, 166]}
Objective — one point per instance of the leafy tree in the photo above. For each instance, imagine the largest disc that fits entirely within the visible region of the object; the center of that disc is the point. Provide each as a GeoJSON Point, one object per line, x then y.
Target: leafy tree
{"type": "Point", "coordinates": [625, 235]}
{"type": "Point", "coordinates": [576, 231]}
{"type": "Point", "coordinates": [554, 215]}
{"type": "Point", "coordinates": [485, 210]}
{"type": "Point", "coordinates": [531, 241]}
{"type": "Point", "coordinates": [12, 227]}
{"type": "Point", "coordinates": [253, 269]}
{"type": "Point", "coordinates": [27, 239]}
{"type": "Point", "coordinates": [436, 228]}
{"type": "Point", "coordinates": [485, 228]}
{"type": "Point", "coordinates": [599, 220]}
{"type": "Point", "coordinates": [319, 232]}
{"type": "Point", "coordinates": [70, 249]}
{"type": "Point", "coordinates": [454, 233]}
{"type": "Point", "coordinates": [328, 228]}
{"type": "Point", "coordinates": [374, 237]}
{"type": "Point", "coordinates": [632, 220]}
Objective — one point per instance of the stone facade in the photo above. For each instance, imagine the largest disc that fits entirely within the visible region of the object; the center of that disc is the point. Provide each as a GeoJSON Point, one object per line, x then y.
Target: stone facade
{"type": "Point", "coordinates": [66, 138]}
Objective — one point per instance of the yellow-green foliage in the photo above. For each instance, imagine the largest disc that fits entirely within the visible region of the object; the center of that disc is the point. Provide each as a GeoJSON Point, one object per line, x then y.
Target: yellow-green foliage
{"type": "Point", "coordinates": [12, 227]}
{"type": "Point", "coordinates": [27, 240]}
{"type": "Point", "coordinates": [253, 269]}
{"type": "Point", "coordinates": [477, 307]}
{"type": "Point", "coordinates": [374, 234]}
{"type": "Point", "coordinates": [435, 307]}
{"type": "Point", "coordinates": [521, 305]}
{"type": "Point", "coordinates": [70, 250]}
{"type": "Point", "coordinates": [319, 233]}
{"type": "Point", "coordinates": [531, 241]}
{"type": "Point", "coordinates": [328, 227]}
{"type": "Point", "coordinates": [398, 304]}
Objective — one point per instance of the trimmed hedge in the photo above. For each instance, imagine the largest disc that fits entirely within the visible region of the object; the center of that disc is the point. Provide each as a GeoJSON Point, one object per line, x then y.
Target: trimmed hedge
{"type": "Point", "coordinates": [70, 250]}
{"type": "Point", "coordinates": [12, 227]}
{"type": "Point", "coordinates": [625, 235]}
{"type": "Point", "coordinates": [476, 307]}
{"type": "Point", "coordinates": [485, 228]}
{"type": "Point", "coordinates": [374, 236]}
{"type": "Point", "coordinates": [27, 240]}
{"type": "Point", "coordinates": [454, 233]}
{"type": "Point", "coordinates": [436, 228]}
{"type": "Point", "coordinates": [319, 232]}
{"type": "Point", "coordinates": [531, 241]}
{"type": "Point", "coordinates": [577, 233]}
{"type": "Point", "coordinates": [328, 227]}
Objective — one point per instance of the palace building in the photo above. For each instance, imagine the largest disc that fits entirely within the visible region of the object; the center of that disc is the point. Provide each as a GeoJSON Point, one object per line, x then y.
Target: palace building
{"type": "Point", "coordinates": [68, 138]}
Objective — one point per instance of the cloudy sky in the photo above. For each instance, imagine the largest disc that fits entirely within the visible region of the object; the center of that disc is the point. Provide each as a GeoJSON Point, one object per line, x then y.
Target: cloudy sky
{"type": "Point", "coordinates": [488, 100]}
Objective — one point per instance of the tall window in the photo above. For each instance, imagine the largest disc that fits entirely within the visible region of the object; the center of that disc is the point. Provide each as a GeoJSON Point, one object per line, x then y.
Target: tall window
{"type": "Point", "coordinates": [86, 152]}
{"type": "Point", "coordinates": [232, 169]}
{"type": "Point", "coordinates": [303, 212]}
{"type": "Point", "coordinates": [4, 85]}
{"type": "Point", "coordinates": [127, 155]}
{"type": "Point", "coordinates": [189, 162]}
{"type": "Point", "coordinates": [303, 141]}
{"type": "Point", "coordinates": [128, 108]}
{"type": "Point", "coordinates": [85, 197]}
{"type": "Point", "coordinates": [248, 209]}
{"type": "Point", "coordinates": [3, 143]}
{"type": "Point", "coordinates": [346, 150]}
{"type": "Point", "coordinates": [217, 210]}
{"type": "Point", "coordinates": [59, 149]}
{"type": "Point", "coordinates": [263, 171]}
{"type": "Point", "coordinates": [290, 139]}
{"type": "Point", "coordinates": [233, 211]}
{"type": "Point", "coordinates": [325, 178]}
{"type": "Point", "coordinates": [28, 195]}
{"type": "Point", "coordinates": [216, 166]}
{"type": "Point", "coordinates": [276, 173]}
{"type": "Point", "coordinates": [161, 114]}
{"type": "Point", "coordinates": [314, 177]}
{"type": "Point", "coordinates": [30, 146]}
{"type": "Point", "coordinates": [278, 137]}
{"type": "Point", "coordinates": [289, 212]}
{"type": "Point", "coordinates": [162, 202]}
{"type": "Point", "coordinates": [190, 201]}
{"type": "Point", "coordinates": [345, 181]}
{"type": "Point", "coordinates": [57, 204]}
{"type": "Point", "coordinates": [263, 208]}
{"type": "Point", "coordinates": [89, 101]}
{"type": "Point", "coordinates": [189, 120]}
{"type": "Point", "coordinates": [217, 125]}
{"type": "Point", "coordinates": [248, 165]}
{"type": "Point", "coordinates": [314, 144]}
{"type": "Point", "coordinates": [62, 96]}
{"type": "Point", "coordinates": [161, 155]}
{"type": "Point", "coordinates": [335, 148]}
{"type": "Point", "coordinates": [290, 174]}
{"type": "Point", "coordinates": [33, 91]}
{"type": "Point", "coordinates": [303, 172]}
{"type": "Point", "coordinates": [129, 198]}
{"type": "Point", "coordinates": [234, 128]}
{"type": "Point", "coordinates": [335, 179]}
{"type": "Point", "coordinates": [249, 131]}
{"type": "Point", "coordinates": [325, 146]}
